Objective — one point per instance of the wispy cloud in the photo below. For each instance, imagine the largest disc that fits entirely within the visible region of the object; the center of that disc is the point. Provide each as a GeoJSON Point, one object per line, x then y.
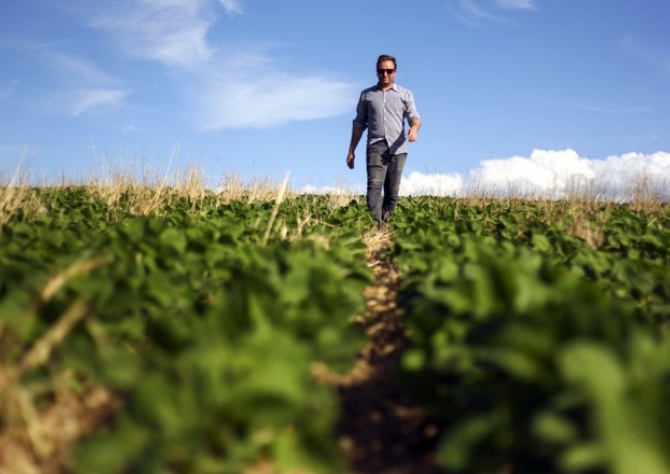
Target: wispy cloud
{"type": "Point", "coordinates": [85, 100]}
{"type": "Point", "coordinates": [653, 55]}
{"type": "Point", "coordinates": [232, 6]}
{"type": "Point", "coordinates": [251, 90]}
{"type": "Point", "coordinates": [75, 70]}
{"type": "Point", "coordinates": [271, 102]}
{"type": "Point", "coordinates": [478, 12]}
{"type": "Point", "coordinates": [80, 86]}
{"type": "Point", "coordinates": [75, 84]}
{"type": "Point", "coordinates": [171, 32]}
{"type": "Point", "coordinates": [227, 90]}
{"type": "Point", "coordinates": [517, 4]}
{"type": "Point", "coordinates": [603, 110]}
{"type": "Point", "coordinates": [470, 12]}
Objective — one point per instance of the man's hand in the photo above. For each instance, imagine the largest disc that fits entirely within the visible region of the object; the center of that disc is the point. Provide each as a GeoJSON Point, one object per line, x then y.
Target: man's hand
{"type": "Point", "coordinates": [413, 132]}
{"type": "Point", "coordinates": [350, 160]}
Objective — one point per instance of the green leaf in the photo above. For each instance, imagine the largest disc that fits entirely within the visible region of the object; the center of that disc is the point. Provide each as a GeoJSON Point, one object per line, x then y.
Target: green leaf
{"type": "Point", "coordinates": [584, 457]}
{"type": "Point", "coordinates": [553, 428]}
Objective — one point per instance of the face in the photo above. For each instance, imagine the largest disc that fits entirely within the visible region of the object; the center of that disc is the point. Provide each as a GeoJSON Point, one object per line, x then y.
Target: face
{"type": "Point", "coordinates": [385, 78]}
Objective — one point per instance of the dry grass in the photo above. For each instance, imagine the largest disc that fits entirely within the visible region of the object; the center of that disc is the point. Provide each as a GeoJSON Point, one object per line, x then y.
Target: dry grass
{"type": "Point", "coordinates": [275, 210]}
{"type": "Point", "coordinates": [649, 195]}
{"type": "Point", "coordinates": [148, 193]}
{"type": "Point", "coordinates": [140, 193]}
{"type": "Point", "coordinates": [143, 195]}
{"type": "Point", "coordinates": [16, 195]}
{"type": "Point", "coordinates": [234, 188]}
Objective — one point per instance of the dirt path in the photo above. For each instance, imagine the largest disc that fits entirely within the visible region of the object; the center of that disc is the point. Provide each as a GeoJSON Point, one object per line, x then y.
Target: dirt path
{"type": "Point", "coordinates": [382, 430]}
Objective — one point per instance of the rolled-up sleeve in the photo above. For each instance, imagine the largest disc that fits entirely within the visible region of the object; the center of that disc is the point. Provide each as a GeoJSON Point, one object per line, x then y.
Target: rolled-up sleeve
{"type": "Point", "coordinates": [410, 107]}
{"type": "Point", "coordinates": [361, 120]}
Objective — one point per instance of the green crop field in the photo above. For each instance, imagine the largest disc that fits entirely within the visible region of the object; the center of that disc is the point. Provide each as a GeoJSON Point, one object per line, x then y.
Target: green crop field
{"type": "Point", "coordinates": [157, 330]}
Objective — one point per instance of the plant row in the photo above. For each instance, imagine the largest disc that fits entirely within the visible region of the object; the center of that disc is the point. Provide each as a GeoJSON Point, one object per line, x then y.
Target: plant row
{"type": "Point", "coordinates": [204, 321]}
{"type": "Point", "coordinates": [535, 348]}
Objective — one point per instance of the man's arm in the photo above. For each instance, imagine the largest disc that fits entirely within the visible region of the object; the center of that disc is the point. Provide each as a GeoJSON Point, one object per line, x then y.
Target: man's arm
{"type": "Point", "coordinates": [356, 134]}
{"type": "Point", "coordinates": [413, 132]}
{"type": "Point", "coordinates": [359, 125]}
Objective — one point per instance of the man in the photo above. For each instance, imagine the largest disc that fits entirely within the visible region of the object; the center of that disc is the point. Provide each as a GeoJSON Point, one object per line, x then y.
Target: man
{"type": "Point", "coordinates": [383, 109]}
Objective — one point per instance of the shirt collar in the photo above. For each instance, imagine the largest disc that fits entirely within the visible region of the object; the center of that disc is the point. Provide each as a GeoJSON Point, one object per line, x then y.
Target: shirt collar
{"type": "Point", "coordinates": [394, 87]}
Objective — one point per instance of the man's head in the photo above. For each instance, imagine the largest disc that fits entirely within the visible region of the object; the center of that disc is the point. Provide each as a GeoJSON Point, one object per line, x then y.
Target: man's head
{"type": "Point", "coordinates": [386, 68]}
{"type": "Point", "coordinates": [386, 57]}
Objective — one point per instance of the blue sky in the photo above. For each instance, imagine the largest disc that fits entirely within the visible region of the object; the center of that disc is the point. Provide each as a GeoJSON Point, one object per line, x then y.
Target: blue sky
{"type": "Point", "coordinates": [536, 90]}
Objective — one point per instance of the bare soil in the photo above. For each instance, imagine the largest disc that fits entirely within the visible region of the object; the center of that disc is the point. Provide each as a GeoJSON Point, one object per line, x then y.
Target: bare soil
{"type": "Point", "coordinates": [382, 430]}
{"type": "Point", "coordinates": [41, 442]}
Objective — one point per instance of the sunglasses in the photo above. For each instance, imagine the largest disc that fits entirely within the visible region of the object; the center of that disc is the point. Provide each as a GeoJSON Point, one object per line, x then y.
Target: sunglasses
{"type": "Point", "coordinates": [387, 71]}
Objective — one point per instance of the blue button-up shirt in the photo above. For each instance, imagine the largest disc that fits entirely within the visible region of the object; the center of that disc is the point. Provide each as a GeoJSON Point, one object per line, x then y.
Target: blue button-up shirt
{"type": "Point", "coordinates": [383, 114]}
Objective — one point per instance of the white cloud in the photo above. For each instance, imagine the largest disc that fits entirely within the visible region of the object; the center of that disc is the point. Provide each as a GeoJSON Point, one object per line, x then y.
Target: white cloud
{"type": "Point", "coordinates": [254, 90]}
{"type": "Point", "coordinates": [517, 4]}
{"type": "Point", "coordinates": [235, 102]}
{"type": "Point", "coordinates": [332, 190]}
{"type": "Point", "coordinates": [544, 171]}
{"type": "Point", "coordinates": [553, 174]}
{"type": "Point", "coordinates": [545, 174]}
{"type": "Point", "coordinates": [79, 86]}
{"type": "Point", "coordinates": [656, 56]}
{"type": "Point", "coordinates": [228, 90]}
{"type": "Point", "coordinates": [232, 6]}
{"type": "Point", "coordinates": [85, 100]}
{"type": "Point", "coordinates": [473, 13]}
{"type": "Point", "coordinates": [431, 184]}
{"type": "Point", "coordinates": [172, 32]}
{"type": "Point", "coordinates": [76, 71]}
{"type": "Point", "coordinates": [603, 109]}
{"type": "Point", "coordinates": [624, 174]}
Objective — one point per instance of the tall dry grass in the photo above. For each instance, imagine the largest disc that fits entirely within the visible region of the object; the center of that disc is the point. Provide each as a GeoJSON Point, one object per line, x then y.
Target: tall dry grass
{"type": "Point", "coordinates": [147, 192]}
{"type": "Point", "coordinates": [142, 191]}
{"type": "Point", "coordinates": [138, 192]}
{"type": "Point", "coordinates": [16, 195]}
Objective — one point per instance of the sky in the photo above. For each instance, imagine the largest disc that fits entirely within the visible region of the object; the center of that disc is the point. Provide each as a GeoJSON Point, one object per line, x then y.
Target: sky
{"type": "Point", "coordinates": [528, 94]}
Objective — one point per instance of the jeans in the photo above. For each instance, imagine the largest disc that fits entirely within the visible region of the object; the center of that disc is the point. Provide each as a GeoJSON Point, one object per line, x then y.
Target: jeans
{"type": "Point", "coordinates": [384, 171]}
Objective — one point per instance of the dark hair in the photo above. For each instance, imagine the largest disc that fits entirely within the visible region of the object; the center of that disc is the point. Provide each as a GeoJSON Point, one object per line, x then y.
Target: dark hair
{"type": "Point", "coordinates": [386, 57]}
